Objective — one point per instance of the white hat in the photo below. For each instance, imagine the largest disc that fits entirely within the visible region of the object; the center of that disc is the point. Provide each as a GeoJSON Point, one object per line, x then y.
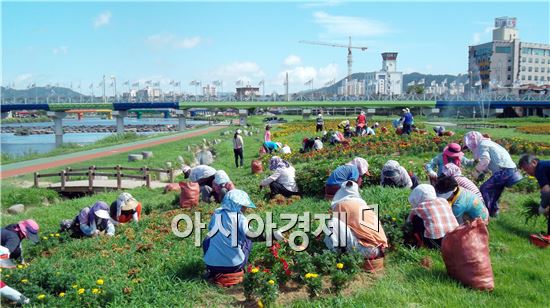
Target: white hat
{"type": "Point", "coordinates": [320, 115]}
{"type": "Point", "coordinates": [239, 131]}
{"type": "Point", "coordinates": [5, 261]}
{"type": "Point", "coordinates": [102, 214]}
{"type": "Point", "coordinates": [185, 168]}
{"type": "Point", "coordinates": [127, 202]}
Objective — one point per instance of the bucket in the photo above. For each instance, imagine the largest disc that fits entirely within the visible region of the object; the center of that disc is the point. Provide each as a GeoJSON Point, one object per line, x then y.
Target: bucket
{"type": "Point", "coordinates": [374, 265]}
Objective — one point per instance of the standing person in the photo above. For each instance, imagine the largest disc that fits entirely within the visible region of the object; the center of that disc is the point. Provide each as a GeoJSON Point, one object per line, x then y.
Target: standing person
{"type": "Point", "coordinates": [267, 134]}
{"type": "Point", "coordinates": [125, 208]}
{"type": "Point", "coordinates": [320, 123]}
{"type": "Point", "coordinates": [238, 148]}
{"type": "Point", "coordinates": [395, 175]}
{"type": "Point", "coordinates": [204, 176]}
{"type": "Point", "coordinates": [360, 123]}
{"type": "Point", "coordinates": [282, 180]}
{"type": "Point", "coordinates": [492, 157]}
{"type": "Point", "coordinates": [408, 121]}
{"type": "Point", "coordinates": [431, 217]}
{"type": "Point", "coordinates": [465, 204]}
{"type": "Point", "coordinates": [452, 153]}
{"type": "Point", "coordinates": [352, 171]}
{"type": "Point", "coordinates": [12, 236]}
{"type": "Point", "coordinates": [226, 256]}
{"type": "Point", "coordinates": [454, 171]}
{"type": "Point", "coordinates": [540, 169]}
{"type": "Point", "coordinates": [93, 221]}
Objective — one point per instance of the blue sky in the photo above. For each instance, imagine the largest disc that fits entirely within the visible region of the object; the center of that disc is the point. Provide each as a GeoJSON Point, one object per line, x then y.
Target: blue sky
{"type": "Point", "coordinates": [79, 42]}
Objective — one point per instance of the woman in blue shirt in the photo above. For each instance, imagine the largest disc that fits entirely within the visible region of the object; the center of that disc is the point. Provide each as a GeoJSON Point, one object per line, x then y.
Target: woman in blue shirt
{"type": "Point", "coordinates": [226, 247]}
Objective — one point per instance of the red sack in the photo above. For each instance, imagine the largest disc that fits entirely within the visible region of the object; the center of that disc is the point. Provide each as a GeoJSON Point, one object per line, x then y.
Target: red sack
{"type": "Point", "coordinates": [257, 166]}
{"type": "Point", "coordinates": [172, 187]}
{"type": "Point", "coordinates": [189, 196]}
{"type": "Point", "coordinates": [465, 252]}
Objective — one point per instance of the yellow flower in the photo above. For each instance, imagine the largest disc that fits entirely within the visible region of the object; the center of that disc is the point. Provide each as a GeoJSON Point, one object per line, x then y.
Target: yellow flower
{"type": "Point", "coordinates": [95, 291]}
{"type": "Point", "coordinates": [51, 234]}
{"type": "Point", "coordinates": [311, 275]}
{"type": "Point", "coordinates": [62, 294]}
{"type": "Point", "coordinates": [19, 266]}
{"type": "Point", "coordinates": [57, 235]}
{"type": "Point", "coordinates": [81, 290]}
{"type": "Point", "coordinates": [99, 282]}
{"type": "Point", "coordinates": [24, 280]}
{"type": "Point", "coordinates": [41, 296]}
{"type": "Point", "coordinates": [260, 304]}
{"type": "Point", "coordinates": [74, 286]}
{"type": "Point", "coordinates": [339, 265]}
{"type": "Point", "coordinates": [45, 238]}
{"type": "Point", "coordinates": [393, 219]}
{"type": "Point", "coordinates": [271, 282]}
{"type": "Point", "coordinates": [254, 270]}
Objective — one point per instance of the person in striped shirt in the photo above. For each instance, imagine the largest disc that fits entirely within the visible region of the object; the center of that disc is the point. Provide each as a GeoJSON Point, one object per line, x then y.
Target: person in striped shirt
{"type": "Point", "coordinates": [454, 171]}
{"type": "Point", "coordinates": [431, 217]}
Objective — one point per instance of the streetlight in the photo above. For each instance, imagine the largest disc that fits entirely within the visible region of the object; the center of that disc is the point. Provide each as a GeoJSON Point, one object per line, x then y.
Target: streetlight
{"type": "Point", "coordinates": [114, 82]}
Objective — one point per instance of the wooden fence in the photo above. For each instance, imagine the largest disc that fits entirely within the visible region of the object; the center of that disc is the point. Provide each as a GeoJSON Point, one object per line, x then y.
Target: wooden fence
{"type": "Point", "coordinates": [93, 171]}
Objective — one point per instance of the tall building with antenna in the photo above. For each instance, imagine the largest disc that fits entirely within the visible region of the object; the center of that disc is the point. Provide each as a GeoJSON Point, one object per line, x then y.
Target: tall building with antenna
{"type": "Point", "coordinates": [387, 81]}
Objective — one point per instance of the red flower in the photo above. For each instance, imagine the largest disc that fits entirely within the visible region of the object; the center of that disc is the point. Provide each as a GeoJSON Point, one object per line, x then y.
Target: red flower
{"type": "Point", "coordinates": [285, 266]}
{"type": "Point", "coordinates": [266, 270]}
{"type": "Point", "coordinates": [249, 268]}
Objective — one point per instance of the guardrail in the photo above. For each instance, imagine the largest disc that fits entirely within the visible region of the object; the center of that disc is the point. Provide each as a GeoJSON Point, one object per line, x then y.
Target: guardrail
{"type": "Point", "coordinates": [92, 171]}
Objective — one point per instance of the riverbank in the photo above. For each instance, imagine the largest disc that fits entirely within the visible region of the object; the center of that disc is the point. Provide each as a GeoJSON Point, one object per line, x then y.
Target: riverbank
{"type": "Point", "coordinates": [40, 130]}
{"type": "Point", "coordinates": [24, 120]}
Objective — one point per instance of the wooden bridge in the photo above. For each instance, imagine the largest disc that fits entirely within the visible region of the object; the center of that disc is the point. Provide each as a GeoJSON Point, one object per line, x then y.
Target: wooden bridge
{"type": "Point", "coordinates": [97, 179]}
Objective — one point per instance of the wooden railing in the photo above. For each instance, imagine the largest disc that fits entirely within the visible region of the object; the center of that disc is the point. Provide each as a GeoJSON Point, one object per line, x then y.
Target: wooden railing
{"type": "Point", "coordinates": [92, 171]}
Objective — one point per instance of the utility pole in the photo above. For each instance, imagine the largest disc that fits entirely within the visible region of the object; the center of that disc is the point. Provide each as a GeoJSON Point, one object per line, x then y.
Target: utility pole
{"type": "Point", "coordinates": [104, 97]}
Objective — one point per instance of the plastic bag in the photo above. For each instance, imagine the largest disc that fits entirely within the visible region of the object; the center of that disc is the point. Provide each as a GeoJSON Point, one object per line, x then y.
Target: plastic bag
{"type": "Point", "coordinates": [465, 252]}
{"type": "Point", "coordinates": [190, 193]}
{"type": "Point", "coordinates": [257, 166]}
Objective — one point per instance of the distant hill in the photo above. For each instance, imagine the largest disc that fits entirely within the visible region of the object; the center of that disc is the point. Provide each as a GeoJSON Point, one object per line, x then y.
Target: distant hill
{"type": "Point", "coordinates": [40, 92]}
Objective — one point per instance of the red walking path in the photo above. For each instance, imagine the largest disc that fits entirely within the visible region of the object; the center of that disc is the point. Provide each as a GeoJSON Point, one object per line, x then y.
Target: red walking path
{"type": "Point", "coordinates": [35, 165]}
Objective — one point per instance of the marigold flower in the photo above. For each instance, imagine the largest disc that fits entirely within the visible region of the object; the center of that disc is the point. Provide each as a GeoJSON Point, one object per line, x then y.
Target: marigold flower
{"type": "Point", "coordinates": [51, 234]}
{"type": "Point", "coordinates": [271, 282]}
{"type": "Point", "coordinates": [255, 270]}
{"type": "Point", "coordinates": [95, 291]}
{"type": "Point", "coordinates": [339, 265]}
{"type": "Point", "coordinates": [311, 275]}
{"type": "Point", "coordinates": [24, 280]}
{"type": "Point", "coordinates": [74, 286]}
{"type": "Point", "coordinates": [41, 296]}
{"type": "Point", "coordinates": [81, 291]}
{"type": "Point", "coordinates": [99, 281]}
{"type": "Point", "coordinates": [57, 235]}
{"type": "Point", "coordinates": [62, 294]}
{"type": "Point", "coordinates": [45, 238]}
{"type": "Point", "coordinates": [393, 219]}
{"type": "Point", "coordinates": [260, 304]}
{"type": "Point", "coordinates": [19, 266]}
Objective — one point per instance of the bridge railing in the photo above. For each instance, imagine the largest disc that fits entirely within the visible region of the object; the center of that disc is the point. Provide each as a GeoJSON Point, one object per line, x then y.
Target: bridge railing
{"type": "Point", "coordinates": [92, 171]}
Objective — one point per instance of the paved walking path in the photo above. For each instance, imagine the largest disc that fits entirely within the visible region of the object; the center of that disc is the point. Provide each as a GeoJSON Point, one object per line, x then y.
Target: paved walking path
{"type": "Point", "coordinates": [31, 166]}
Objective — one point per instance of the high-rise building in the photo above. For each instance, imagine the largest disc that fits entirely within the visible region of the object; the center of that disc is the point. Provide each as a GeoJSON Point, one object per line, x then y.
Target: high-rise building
{"type": "Point", "coordinates": [507, 62]}
{"type": "Point", "coordinates": [387, 81]}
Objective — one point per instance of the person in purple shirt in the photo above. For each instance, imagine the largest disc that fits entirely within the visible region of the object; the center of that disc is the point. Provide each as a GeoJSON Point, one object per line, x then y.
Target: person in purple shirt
{"type": "Point", "coordinates": [540, 169]}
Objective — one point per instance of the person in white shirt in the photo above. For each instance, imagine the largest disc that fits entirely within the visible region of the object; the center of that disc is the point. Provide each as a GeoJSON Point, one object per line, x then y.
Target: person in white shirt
{"type": "Point", "coordinates": [238, 148]}
{"type": "Point", "coordinates": [282, 180]}
{"type": "Point", "coordinates": [317, 144]}
{"type": "Point", "coordinates": [204, 176]}
{"type": "Point", "coordinates": [285, 149]}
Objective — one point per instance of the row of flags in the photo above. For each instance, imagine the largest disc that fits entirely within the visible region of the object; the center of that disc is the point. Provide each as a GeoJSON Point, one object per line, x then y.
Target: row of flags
{"type": "Point", "coordinates": [434, 83]}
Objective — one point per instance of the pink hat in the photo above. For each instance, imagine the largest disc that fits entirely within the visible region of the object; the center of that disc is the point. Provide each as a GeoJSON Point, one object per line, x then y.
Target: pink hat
{"type": "Point", "coordinates": [29, 228]}
{"type": "Point", "coordinates": [453, 150]}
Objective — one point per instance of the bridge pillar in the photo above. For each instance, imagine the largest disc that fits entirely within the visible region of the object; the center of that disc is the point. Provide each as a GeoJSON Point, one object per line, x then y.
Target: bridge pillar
{"type": "Point", "coordinates": [119, 115]}
{"type": "Point", "coordinates": [57, 117]}
{"type": "Point", "coordinates": [181, 120]}
{"type": "Point", "coordinates": [243, 113]}
{"type": "Point", "coordinates": [306, 113]}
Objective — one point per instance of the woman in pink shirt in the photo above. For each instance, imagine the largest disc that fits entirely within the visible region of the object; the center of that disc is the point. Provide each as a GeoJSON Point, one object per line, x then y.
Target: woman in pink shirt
{"type": "Point", "coordinates": [267, 135]}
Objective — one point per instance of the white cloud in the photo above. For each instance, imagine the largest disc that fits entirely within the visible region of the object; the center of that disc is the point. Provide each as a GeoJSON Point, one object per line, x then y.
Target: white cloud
{"type": "Point", "coordinates": [326, 3]}
{"type": "Point", "coordinates": [248, 72]}
{"type": "Point", "coordinates": [299, 75]}
{"type": "Point", "coordinates": [23, 78]}
{"type": "Point", "coordinates": [349, 25]}
{"type": "Point", "coordinates": [102, 19]}
{"type": "Point", "coordinates": [478, 36]}
{"type": "Point", "coordinates": [163, 40]}
{"type": "Point", "coordinates": [292, 60]}
{"type": "Point", "coordinates": [62, 50]}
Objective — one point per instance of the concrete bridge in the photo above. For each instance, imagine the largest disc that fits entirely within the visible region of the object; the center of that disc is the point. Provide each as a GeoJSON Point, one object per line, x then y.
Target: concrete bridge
{"type": "Point", "coordinates": [58, 111]}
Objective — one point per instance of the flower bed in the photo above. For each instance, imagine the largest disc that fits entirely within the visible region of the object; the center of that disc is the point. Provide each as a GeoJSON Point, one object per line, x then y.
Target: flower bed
{"type": "Point", "coordinates": [542, 129]}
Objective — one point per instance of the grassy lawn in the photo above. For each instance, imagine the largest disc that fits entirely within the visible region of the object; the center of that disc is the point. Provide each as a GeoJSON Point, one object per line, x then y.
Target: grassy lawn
{"type": "Point", "coordinates": [146, 265]}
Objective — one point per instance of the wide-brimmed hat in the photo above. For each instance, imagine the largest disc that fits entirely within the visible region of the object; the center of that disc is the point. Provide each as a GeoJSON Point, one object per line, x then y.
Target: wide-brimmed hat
{"type": "Point", "coordinates": [239, 131]}
{"type": "Point", "coordinates": [127, 202]}
{"type": "Point", "coordinates": [29, 228]}
{"type": "Point", "coordinates": [453, 150]}
{"type": "Point", "coordinates": [5, 261]}
{"type": "Point", "coordinates": [104, 214]}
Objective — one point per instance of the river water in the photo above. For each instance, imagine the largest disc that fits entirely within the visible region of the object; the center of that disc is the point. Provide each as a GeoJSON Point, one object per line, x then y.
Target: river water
{"type": "Point", "coordinates": [21, 145]}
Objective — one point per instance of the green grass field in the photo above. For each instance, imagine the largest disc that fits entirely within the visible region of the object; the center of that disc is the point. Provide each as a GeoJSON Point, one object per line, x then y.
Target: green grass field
{"type": "Point", "coordinates": [146, 265]}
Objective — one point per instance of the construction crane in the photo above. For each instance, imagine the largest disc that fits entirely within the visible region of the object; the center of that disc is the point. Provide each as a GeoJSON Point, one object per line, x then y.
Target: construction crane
{"type": "Point", "coordinates": [349, 47]}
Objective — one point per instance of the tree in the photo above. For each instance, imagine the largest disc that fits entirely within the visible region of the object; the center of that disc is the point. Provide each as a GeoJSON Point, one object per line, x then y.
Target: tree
{"type": "Point", "coordinates": [416, 89]}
